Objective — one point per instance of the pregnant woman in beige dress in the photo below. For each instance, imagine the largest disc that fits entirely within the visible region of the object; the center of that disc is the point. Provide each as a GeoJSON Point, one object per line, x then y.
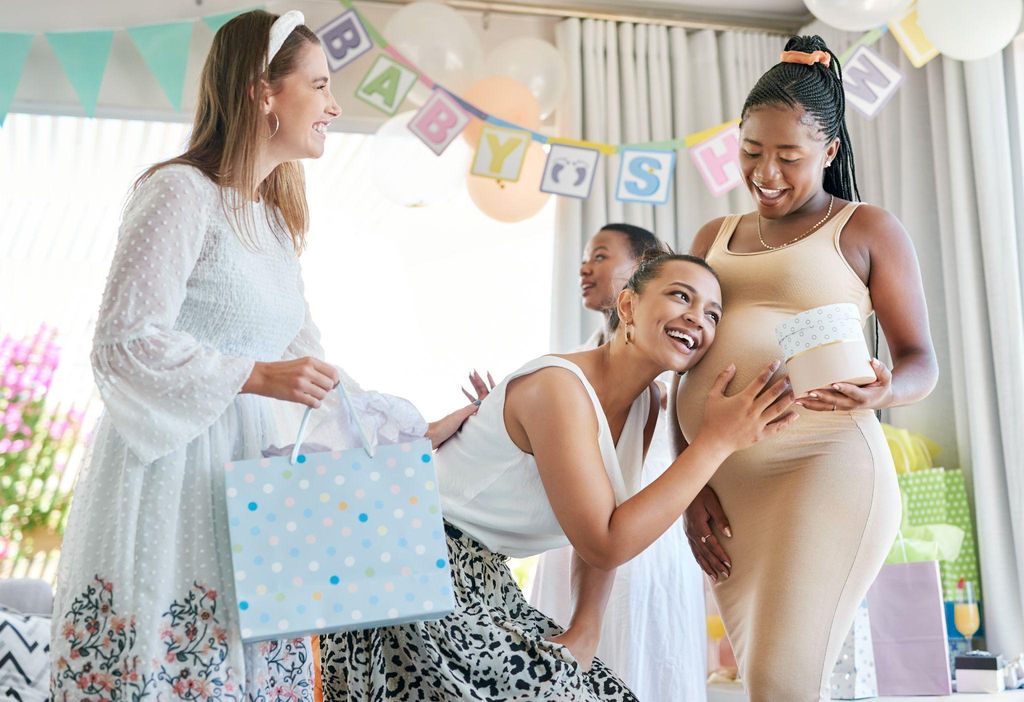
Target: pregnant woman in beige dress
{"type": "Point", "coordinates": [794, 529]}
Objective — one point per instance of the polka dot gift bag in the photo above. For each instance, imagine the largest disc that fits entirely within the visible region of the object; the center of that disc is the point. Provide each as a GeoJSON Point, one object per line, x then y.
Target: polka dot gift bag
{"type": "Point", "coordinates": [338, 540]}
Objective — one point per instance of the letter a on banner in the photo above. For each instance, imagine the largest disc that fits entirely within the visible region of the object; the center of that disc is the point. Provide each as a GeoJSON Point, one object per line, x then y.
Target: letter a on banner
{"type": "Point", "coordinates": [569, 171]}
{"type": "Point", "coordinates": [439, 121]}
{"type": "Point", "coordinates": [344, 39]}
{"type": "Point", "coordinates": [501, 153]}
{"type": "Point", "coordinates": [717, 160]}
{"type": "Point", "coordinates": [869, 81]}
{"type": "Point", "coordinates": [645, 176]}
{"type": "Point", "coordinates": [386, 84]}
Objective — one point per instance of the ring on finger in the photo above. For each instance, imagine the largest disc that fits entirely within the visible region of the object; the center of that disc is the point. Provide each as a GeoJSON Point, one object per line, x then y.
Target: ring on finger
{"type": "Point", "coordinates": [704, 539]}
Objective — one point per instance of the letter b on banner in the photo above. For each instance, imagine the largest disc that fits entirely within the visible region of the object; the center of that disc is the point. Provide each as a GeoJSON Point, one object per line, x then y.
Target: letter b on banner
{"type": "Point", "coordinates": [344, 39]}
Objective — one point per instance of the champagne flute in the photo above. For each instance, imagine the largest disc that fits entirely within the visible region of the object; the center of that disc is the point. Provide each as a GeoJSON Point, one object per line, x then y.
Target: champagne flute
{"type": "Point", "coordinates": [965, 614]}
{"type": "Point", "coordinates": [716, 632]}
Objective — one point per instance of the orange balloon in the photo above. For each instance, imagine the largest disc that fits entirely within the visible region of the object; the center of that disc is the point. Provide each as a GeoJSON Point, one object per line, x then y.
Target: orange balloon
{"type": "Point", "coordinates": [512, 202]}
{"type": "Point", "coordinates": [502, 97]}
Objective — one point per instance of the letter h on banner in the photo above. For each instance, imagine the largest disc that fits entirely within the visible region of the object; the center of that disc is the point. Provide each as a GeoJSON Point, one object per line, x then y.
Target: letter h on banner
{"type": "Point", "coordinates": [869, 81]}
{"type": "Point", "coordinates": [717, 160]}
{"type": "Point", "coordinates": [344, 39]}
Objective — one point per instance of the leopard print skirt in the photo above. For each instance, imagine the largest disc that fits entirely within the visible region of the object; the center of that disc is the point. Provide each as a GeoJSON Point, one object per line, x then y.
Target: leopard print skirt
{"type": "Point", "coordinates": [492, 647]}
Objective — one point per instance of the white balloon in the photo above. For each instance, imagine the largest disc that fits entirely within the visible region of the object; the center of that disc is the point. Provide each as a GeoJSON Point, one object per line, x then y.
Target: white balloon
{"type": "Point", "coordinates": [857, 15]}
{"type": "Point", "coordinates": [969, 30]}
{"type": "Point", "coordinates": [438, 41]}
{"type": "Point", "coordinates": [534, 63]}
{"type": "Point", "coordinates": [407, 172]}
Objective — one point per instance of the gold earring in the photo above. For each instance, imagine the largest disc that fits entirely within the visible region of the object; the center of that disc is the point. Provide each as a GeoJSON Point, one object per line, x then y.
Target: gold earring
{"type": "Point", "coordinates": [629, 333]}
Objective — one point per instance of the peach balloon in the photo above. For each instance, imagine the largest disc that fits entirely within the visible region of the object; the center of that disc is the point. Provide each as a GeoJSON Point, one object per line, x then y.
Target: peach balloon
{"type": "Point", "coordinates": [512, 202]}
{"type": "Point", "coordinates": [502, 97]}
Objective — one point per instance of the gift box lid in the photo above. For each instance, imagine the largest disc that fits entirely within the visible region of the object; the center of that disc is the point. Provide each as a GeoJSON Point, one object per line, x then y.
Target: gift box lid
{"type": "Point", "coordinates": [976, 661]}
{"type": "Point", "coordinates": [819, 326]}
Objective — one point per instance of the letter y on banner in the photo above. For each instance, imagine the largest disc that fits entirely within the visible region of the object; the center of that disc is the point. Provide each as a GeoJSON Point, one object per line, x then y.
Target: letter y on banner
{"type": "Point", "coordinates": [344, 39]}
{"type": "Point", "coordinates": [439, 121]}
{"type": "Point", "coordinates": [501, 153]}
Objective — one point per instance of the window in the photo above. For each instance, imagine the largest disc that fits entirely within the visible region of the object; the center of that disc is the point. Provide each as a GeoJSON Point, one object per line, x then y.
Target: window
{"type": "Point", "coordinates": [408, 300]}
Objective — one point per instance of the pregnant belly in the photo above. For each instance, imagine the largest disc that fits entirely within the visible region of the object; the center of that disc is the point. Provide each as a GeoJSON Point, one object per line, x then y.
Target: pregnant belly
{"type": "Point", "coordinates": [746, 337]}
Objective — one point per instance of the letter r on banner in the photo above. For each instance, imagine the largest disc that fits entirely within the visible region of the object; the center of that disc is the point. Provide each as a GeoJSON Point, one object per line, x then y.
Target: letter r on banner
{"type": "Point", "coordinates": [439, 121]}
{"type": "Point", "coordinates": [344, 39]}
{"type": "Point", "coordinates": [645, 176]}
{"type": "Point", "coordinates": [717, 160]}
{"type": "Point", "coordinates": [869, 81]}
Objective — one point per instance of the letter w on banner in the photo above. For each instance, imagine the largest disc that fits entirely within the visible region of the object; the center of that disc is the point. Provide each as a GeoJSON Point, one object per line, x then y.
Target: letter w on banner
{"type": "Point", "coordinates": [869, 81]}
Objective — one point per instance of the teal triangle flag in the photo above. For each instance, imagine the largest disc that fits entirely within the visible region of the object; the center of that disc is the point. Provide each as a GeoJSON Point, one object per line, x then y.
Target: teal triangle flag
{"type": "Point", "coordinates": [164, 48]}
{"type": "Point", "coordinates": [13, 52]}
{"type": "Point", "coordinates": [215, 22]}
{"type": "Point", "coordinates": [83, 55]}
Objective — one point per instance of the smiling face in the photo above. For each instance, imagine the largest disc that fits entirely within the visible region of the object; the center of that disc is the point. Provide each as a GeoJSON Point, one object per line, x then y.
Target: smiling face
{"type": "Point", "coordinates": [608, 262]}
{"type": "Point", "coordinates": [783, 155]}
{"type": "Point", "coordinates": [304, 106]}
{"type": "Point", "coordinates": [675, 315]}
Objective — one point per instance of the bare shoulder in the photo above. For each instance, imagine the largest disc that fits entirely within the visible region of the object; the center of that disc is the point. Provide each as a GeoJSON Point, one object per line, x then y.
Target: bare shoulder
{"type": "Point", "coordinates": [553, 390]}
{"type": "Point", "coordinates": [706, 237]}
{"type": "Point", "coordinates": [875, 226]}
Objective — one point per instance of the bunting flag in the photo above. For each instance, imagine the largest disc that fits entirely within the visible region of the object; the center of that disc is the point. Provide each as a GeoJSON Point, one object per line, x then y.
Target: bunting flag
{"type": "Point", "coordinates": [869, 81]}
{"type": "Point", "coordinates": [83, 56]}
{"type": "Point", "coordinates": [164, 48]}
{"type": "Point", "coordinates": [13, 52]}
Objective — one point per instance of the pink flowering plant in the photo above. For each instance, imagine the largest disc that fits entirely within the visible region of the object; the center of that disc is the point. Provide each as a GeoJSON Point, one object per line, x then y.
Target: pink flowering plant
{"type": "Point", "coordinates": [36, 443]}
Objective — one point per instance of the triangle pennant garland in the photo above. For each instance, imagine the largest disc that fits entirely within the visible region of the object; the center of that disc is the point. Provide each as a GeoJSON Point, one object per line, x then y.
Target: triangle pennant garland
{"type": "Point", "coordinates": [13, 52]}
{"type": "Point", "coordinates": [165, 48]}
{"type": "Point", "coordinates": [83, 56]}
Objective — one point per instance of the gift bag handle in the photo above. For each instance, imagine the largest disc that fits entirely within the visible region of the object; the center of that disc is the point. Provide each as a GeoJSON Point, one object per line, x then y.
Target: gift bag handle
{"type": "Point", "coordinates": [363, 436]}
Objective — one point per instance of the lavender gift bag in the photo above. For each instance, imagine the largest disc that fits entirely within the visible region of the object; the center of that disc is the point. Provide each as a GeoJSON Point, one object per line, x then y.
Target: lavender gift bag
{"type": "Point", "coordinates": [908, 630]}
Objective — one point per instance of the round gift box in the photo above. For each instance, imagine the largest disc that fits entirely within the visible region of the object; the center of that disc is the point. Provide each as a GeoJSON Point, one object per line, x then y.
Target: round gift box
{"type": "Point", "coordinates": [825, 345]}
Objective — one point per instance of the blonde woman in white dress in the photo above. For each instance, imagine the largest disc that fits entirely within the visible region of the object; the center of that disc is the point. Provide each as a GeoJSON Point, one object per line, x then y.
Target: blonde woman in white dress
{"type": "Point", "coordinates": [203, 321]}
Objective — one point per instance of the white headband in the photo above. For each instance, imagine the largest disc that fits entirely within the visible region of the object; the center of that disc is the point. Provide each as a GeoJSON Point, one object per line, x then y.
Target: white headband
{"type": "Point", "coordinates": [279, 31]}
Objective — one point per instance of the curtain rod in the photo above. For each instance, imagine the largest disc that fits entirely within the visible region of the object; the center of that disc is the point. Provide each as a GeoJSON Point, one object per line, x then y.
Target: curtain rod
{"type": "Point", "coordinates": [782, 27]}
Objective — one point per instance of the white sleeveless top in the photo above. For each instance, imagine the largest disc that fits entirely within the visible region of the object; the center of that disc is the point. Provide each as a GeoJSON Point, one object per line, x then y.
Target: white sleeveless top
{"type": "Point", "coordinates": [492, 490]}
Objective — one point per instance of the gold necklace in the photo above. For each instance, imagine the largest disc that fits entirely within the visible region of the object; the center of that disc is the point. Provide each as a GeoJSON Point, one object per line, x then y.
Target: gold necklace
{"type": "Point", "coordinates": [810, 231]}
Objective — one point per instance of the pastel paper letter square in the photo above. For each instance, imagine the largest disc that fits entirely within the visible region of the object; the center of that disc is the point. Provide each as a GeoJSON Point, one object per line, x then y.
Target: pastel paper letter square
{"type": "Point", "coordinates": [501, 153]}
{"type": "Point", "coordinates": [869, 81]}
{"type": "Point", "coordinates": [918, 48]}
{"type": "Point", "coordinates": [439, 121]}
{"type": "Point", "coordinates": [645, 176]}
{"type": "Point", "coordinates": [344, 39]}
{"type": "Point", "coordinates": [569, 171]}
{"type": "Point", "coordinates": [717, 161]}
{"type": "Point", "coordinates": [386, 84]}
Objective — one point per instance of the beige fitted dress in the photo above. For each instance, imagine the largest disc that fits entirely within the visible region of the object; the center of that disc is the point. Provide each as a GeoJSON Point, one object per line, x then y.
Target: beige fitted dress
{"type": "Point", "coordinates": [814, 509]}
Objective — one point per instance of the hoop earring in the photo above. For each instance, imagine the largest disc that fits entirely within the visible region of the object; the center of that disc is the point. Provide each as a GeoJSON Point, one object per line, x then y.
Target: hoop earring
{"type": "Point", "coordinates": [277, 125]}
{"type": "Point", "coordinates": [629, 333]}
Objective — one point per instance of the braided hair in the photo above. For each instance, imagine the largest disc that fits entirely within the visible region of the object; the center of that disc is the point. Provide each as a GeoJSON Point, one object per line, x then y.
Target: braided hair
{"type": "Point", "coordinates": [819, 91]}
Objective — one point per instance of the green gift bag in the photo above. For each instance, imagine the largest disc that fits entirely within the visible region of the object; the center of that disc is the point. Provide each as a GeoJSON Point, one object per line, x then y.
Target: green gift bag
{"type": "Point", "coordinates": [937, 496]}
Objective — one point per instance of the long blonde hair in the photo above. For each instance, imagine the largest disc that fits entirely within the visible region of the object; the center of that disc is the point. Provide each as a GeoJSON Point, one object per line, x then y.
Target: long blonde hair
{"type": "Point", "coordinates": [229, 124]}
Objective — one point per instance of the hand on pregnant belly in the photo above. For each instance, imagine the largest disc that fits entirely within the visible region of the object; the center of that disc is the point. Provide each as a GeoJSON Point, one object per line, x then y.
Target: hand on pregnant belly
{"type": "Point", "coordinates": [758, 411]}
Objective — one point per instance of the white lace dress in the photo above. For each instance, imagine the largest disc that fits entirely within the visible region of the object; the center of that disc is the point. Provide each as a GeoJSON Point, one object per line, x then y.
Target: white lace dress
{"type": "Point", "coordinates": [144, 605]}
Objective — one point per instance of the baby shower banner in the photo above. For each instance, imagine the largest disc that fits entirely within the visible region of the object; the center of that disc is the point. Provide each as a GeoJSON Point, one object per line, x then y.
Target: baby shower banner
{"type": "Point", "coordinates": [645, 169]}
